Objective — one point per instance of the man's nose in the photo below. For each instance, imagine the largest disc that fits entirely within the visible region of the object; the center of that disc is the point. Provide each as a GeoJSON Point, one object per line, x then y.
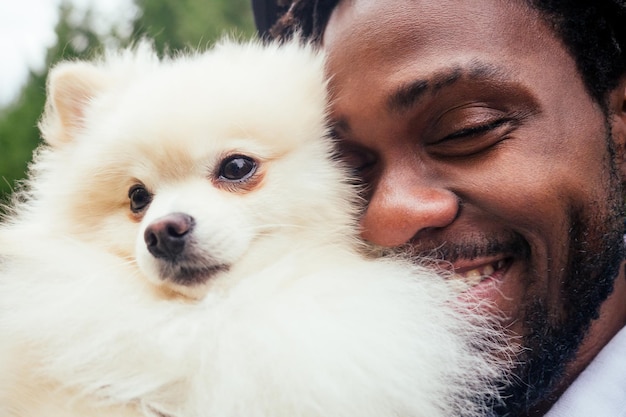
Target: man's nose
{"type": "Point", "coordinates": [400, 208]}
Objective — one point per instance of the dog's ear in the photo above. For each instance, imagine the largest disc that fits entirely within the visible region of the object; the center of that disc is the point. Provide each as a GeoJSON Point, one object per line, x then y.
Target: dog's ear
{"type": "Point", "coordinates": [71, 88]}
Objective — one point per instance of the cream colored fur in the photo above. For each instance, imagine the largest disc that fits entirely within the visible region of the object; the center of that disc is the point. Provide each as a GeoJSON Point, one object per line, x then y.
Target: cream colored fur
{"type": "Point", "coordinates": [301, 323]}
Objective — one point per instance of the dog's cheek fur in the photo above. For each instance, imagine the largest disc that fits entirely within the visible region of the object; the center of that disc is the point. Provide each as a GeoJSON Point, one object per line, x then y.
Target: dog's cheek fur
{"type": "Point", "coordinates": [315, 197]}
{"type": "Point", "coordinates": [97, 208]}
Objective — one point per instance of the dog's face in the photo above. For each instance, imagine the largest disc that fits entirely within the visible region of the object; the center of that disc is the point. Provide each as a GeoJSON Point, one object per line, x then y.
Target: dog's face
{"type": "Point", "coordinates": [184, 166]}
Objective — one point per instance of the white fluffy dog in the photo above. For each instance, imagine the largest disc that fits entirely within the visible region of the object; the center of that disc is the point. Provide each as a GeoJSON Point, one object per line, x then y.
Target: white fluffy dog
{"type": "Point", "coordinates": [186, 247]}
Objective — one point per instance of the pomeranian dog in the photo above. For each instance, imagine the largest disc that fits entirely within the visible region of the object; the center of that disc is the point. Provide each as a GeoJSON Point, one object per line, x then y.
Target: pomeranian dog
{"type": "Point", "coordinates": [186, 245]}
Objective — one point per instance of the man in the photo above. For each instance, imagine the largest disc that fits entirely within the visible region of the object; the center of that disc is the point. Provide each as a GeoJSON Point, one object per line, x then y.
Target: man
{"type": "Point", "coordinates": [492, 134]}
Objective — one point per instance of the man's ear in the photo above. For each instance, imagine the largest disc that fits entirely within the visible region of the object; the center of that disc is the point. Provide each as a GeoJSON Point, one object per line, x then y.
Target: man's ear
{"type": "Point", "coordinates": [617, 112]}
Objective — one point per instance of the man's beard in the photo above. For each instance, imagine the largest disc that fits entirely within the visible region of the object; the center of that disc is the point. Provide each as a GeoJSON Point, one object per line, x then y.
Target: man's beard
{"type": "Point", "coordinates": [550, 345]}
{"type": "Point", "coordinates": [596, 250]}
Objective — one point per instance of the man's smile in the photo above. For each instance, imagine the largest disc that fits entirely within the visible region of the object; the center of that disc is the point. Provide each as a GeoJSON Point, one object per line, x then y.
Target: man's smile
{"type": "Point", "coordinates": [479, 270]}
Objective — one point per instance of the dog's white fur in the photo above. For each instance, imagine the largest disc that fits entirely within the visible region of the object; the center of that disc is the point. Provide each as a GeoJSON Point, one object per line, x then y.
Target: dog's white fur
{"type": "Point", "coordinates": [300, 324]}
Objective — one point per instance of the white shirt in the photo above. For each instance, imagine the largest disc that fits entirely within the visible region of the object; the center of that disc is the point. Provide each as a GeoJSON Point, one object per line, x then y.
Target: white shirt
{"type": "Point", "coordinates": [600, 390]}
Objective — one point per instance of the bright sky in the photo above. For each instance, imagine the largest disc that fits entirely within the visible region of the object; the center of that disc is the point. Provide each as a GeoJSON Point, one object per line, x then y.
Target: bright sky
{"type": "Point", "coordinates": [27, 30]}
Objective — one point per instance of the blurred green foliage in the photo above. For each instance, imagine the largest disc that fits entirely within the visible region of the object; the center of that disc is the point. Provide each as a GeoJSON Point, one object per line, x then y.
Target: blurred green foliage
{"type": "Point", "coordinates": [178, 24]}
{"type": "Point", "coordinates": [173, 24]}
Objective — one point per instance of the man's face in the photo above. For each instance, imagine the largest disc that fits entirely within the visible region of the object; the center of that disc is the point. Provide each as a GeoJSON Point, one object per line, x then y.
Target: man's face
{"type": "Point", "coordinates": [480, 145]}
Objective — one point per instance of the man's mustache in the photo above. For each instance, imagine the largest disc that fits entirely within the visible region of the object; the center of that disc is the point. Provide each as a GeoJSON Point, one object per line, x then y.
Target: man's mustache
{"type": "Point", "coordinates": [468, 248]}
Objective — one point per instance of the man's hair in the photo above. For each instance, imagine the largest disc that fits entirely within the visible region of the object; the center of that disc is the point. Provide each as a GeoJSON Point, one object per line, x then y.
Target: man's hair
{"type": "Point", "coordinates": [594, 32]}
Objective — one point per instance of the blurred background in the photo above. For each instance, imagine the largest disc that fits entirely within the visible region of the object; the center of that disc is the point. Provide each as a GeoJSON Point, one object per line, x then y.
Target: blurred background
{"type": "Point", "coordinates": [35, 34]}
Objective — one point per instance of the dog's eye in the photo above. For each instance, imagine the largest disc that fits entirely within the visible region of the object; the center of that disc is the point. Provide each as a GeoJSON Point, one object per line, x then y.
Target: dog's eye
{"type": "Point", "coordinates": [237, 168]}
{"type": "Point", "coordinates": [139, 198]}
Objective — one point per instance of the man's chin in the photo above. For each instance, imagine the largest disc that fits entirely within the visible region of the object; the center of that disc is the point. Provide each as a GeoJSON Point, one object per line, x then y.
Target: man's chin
{"type": "Point", "coordinates": [548, 350]}
{"type": "Point", "coordinates": [550, 346]}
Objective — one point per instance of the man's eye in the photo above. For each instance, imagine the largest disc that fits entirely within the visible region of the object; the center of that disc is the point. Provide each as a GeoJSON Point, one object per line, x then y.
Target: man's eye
{"type": "Point", "coordinates": [356, 159]}
{"type": "Point", "coordinates": [473, 139]}
{"type": "Point", "coordinates": [139, 197]}
{"type": "Point", "coordinates": [237, 168]}
{"type": "Point", "coordinates": [469, 129]}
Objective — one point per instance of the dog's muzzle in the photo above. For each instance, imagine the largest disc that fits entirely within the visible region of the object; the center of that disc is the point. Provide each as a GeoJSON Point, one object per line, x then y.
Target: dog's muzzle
{"type": "Point", "coordinates": [170, 240]}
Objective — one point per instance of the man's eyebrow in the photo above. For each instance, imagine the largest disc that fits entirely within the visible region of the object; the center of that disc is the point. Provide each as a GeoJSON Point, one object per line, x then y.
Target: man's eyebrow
{"type": "Point", "coordinates": [409, 94]}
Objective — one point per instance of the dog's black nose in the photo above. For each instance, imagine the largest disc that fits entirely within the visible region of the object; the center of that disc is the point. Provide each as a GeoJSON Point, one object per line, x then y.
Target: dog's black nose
{"type": "Point", "coordinates": [167, 236]}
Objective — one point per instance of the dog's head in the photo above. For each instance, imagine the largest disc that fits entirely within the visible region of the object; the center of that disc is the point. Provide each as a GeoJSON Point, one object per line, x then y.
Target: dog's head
{"type": "Point", "coordinates": [186, 164]}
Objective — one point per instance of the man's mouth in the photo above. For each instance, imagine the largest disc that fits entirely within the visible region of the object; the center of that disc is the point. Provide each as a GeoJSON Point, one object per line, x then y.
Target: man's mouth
{"type": "Point", "coordinates": [479, 262]}
{"type": "Point", "coordinates": [474, 274]}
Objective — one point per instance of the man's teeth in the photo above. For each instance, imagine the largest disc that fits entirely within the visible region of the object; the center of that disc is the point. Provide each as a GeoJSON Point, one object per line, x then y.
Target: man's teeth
{"type": "Point", "coordinates": [475, 276]}
{"type": "Point", "coordinates": [488, 270]}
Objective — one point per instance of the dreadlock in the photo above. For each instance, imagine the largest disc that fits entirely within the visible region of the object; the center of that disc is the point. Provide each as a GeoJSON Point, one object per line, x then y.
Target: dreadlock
{"type": "Point", "coordinates": [307, 17]}
{"type": "Point", "coordinates": [594, 32]}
